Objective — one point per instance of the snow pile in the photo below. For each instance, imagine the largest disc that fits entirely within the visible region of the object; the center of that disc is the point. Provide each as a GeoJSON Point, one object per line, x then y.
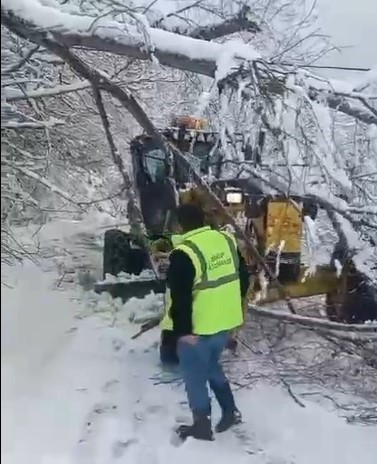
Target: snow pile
{"type": "Point", "coordinates": [77, 390]}
{"type": "Point", "coordinates": [135, 310]}
{"type": "Point", "coordinates": [140, 310]}
{"type": "Point", "coordinates": [124, 277]}
{"type": "Point", "coordinates": [53, 369]}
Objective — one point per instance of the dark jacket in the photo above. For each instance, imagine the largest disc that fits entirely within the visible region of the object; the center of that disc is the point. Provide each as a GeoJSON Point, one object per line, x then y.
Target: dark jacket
{"type": "Point", "coordinates": [180, 280]}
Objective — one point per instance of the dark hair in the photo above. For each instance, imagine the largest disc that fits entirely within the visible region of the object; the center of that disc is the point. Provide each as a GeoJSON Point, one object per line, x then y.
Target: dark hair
{"type": "Point", "coordinates": [190, 217]}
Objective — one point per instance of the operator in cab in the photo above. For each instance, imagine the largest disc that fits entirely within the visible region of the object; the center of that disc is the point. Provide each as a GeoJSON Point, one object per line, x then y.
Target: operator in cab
{"type": "Point", "coordinates": [207, 282]}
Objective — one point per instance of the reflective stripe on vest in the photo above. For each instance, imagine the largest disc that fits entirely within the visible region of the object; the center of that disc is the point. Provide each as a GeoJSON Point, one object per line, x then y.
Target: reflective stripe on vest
{"type": "Point", "coordinates": [217, 304]}
{"type": "Point", "coordinates": [204, 282]}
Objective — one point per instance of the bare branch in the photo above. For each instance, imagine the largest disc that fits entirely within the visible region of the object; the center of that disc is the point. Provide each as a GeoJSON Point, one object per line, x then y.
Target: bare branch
{"type": "Point", "coordinates": [42, 180]}
{"type": "Point", "coordinates": [15, 67]}
{"type": "Point", "coordinates": [240, 22]}
{"type": "Point", "coordinates": [31, 124]}
{"type": "Point", "coordinates": [100, 200]}
{"type": "Point", "coordinates": [134, 212]}
{"type": "Point", "coordinates": [369, 329]}
{"type": "Point", "coordinates": [364, 112]}
{"type": "Point", "coordinates": [53, 92]}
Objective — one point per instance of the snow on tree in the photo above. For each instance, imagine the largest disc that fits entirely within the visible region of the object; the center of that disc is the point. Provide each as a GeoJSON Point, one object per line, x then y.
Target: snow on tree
{"type": "Point", "coordinates": [50, 127]}
{"type": "Point", "coordinates": [319, 134]}
{"type": "Point", "coordinates": [244, 65]}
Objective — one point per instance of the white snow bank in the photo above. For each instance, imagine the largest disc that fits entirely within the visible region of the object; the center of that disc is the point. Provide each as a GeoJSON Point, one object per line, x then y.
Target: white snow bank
{"type": "Point", "coordinates": [87, 394]}
{"type": "Point", "coordinates": [34, 321]}
{"type": "Point", "coordinates": [36, 325]}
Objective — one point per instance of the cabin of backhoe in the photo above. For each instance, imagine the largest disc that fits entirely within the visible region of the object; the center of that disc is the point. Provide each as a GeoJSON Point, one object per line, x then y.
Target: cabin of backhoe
{"type": "Point", "coordinates": [274, 223]}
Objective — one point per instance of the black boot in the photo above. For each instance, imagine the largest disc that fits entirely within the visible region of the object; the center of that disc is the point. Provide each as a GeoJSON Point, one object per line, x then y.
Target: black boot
{"type": "Point", "coordinates": [201, 429]}
{"type": "Point", "coordinates": [228, 419]}
{"type": "Point", "coordinates": [230, 414]}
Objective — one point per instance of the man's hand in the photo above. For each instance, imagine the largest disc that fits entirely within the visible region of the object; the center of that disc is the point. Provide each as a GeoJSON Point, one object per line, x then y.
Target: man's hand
{"type": "Point", "coordinates": [191, 339]}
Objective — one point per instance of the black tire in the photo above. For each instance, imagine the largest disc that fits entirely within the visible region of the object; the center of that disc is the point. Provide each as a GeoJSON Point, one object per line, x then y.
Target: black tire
{"type": "Point", "coordinates": [122, 253]}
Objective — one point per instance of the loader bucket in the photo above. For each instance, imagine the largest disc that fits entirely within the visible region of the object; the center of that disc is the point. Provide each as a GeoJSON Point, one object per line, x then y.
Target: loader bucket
{"type": "Point", "coordinates": [131, 289]}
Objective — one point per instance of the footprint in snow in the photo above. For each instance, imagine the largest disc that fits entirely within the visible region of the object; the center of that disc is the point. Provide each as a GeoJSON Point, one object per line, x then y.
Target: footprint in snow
{"type": "Point", "coordinates": [120, 447]}
{"type": "Point", "coordinates": [110, 385]}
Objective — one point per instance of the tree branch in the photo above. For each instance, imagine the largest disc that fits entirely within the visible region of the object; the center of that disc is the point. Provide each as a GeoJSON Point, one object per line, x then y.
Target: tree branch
{"type": "Point", "coordinates": [42, 180]}
{"type": "Point", "coordinates": [173, 50]}
{"type": "Point", "coordinates": [136, 217]}
{"type": "Point", "coordinates": [340, 103]}
{"type": "Point", "coordinates": [51, 92]}
{"type": "Point", "coordinates": [15, 67]}
{"type": "Point", "coordinates": [101, 81]}
{"type": "Point", "coordinates": [242, 21]}
{"type": "Point", "coordinates": [31, 124]}
{"type": "Point", "coordinates": [370, 329]}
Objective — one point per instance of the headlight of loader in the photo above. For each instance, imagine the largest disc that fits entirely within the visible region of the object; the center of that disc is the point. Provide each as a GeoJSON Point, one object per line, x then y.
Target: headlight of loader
{"type": "Point", "coordinates": [234, 198]}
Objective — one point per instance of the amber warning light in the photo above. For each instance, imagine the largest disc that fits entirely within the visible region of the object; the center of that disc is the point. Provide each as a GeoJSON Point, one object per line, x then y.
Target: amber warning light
{"type": "Point", "coordinates": [190, 122]}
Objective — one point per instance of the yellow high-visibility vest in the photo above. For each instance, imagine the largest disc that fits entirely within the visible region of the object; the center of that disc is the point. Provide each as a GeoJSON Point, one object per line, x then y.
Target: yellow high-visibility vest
{"type": "Point", "coordinates": [217, 303]}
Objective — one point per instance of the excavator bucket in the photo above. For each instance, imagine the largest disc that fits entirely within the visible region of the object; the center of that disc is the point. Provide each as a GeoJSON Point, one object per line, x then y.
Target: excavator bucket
{"type": "Point", "coordinates": [128, 269]}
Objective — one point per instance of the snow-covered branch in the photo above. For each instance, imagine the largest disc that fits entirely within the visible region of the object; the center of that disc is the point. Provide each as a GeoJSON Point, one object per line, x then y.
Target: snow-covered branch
{"type": "Point", "coordinates": [15, 125]}
{"type": "Point", "coordinates": [370, 330]}
{"type": "Point", "coordinates": [37, 177]}
{"type": "Point", "coordinates": [29, 19]}
{"type": "Point", "coordinates": [135, 215]}
{"type": "Point", "coordinates": [18, 95]}
{"type": "Point", "coordinates": [242, 21]}
{"type": "Point", "coordinates": [342, 103]}
{"type": "Point", "coordinates": [16, 66]}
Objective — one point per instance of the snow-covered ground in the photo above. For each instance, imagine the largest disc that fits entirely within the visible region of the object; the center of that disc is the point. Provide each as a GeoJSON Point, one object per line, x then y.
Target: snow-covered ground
{"type": "Point", "coordinates": [77, 390]}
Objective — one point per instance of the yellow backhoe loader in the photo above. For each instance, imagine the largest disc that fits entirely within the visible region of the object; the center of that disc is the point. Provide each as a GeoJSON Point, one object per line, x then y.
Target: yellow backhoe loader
{"type": "Point", "coordinates": [273, 223]}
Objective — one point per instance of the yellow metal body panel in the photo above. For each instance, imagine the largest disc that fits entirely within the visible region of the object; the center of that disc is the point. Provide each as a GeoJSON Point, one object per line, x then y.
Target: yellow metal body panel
{"type": "Point", "coordinates": [322, 282]}
{"type": "Point", "coordinates": [283, 223]}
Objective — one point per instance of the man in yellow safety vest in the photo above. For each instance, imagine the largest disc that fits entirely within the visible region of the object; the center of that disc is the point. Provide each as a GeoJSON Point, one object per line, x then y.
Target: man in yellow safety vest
{"type": "Point", "coordinates": [207, 280]}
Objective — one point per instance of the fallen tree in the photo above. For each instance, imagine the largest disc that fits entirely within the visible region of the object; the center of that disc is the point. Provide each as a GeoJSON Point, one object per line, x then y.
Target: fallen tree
{"type": "Point", "coordinates": [310, 322]}
{"type": "Point", "coordinates": [101, 81]}
{"type": "Point", "coordinates": [169, 49]}
{"type": "Point", "coordinates": [268, 82]}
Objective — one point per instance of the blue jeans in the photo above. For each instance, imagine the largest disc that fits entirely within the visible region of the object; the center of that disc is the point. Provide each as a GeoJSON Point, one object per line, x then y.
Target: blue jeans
{"type": "Point", "coordinates": [200, 364]}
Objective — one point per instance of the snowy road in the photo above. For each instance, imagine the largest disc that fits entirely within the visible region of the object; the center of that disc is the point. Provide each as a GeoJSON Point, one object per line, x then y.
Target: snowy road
{"type": "Point", "coordinates": [77, 390]}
